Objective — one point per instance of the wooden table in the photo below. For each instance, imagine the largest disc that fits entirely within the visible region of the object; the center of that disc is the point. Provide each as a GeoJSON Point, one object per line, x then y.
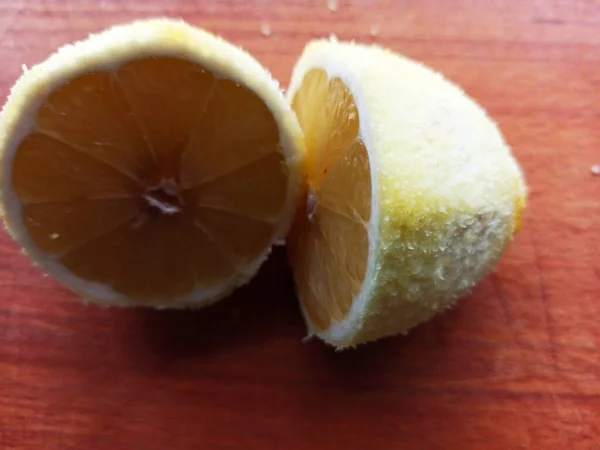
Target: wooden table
{"type": "Point", "coordinates": [514, 365]}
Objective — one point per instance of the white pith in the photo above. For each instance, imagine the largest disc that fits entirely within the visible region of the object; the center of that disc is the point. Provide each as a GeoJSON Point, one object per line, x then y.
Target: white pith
{"type": "Point", "coordinates": [344, 330]}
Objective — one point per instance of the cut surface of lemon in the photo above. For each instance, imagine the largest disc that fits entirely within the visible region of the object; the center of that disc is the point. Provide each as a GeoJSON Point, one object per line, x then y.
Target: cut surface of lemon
{"type": "Point", "coordinates": [151, 164]}
{"type": "Point", "coordinates": [412, 192]}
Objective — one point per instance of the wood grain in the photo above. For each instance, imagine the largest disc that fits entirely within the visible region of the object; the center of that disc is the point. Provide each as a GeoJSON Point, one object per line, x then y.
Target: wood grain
{"type": "Point", "coordinates": [514, 365]}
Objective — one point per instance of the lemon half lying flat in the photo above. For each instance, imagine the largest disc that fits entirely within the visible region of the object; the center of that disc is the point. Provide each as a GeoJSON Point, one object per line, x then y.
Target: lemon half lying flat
{"type": "Point", "coordinates": [412, 193]}
{"type": "Point", "coordinates": [151, 164]}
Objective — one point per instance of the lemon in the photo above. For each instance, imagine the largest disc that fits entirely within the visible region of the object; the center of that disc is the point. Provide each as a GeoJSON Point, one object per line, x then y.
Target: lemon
{"type": "Point", "coordinates": [150, 164]}
{"type": "Point", "coordinates": [412, 193]}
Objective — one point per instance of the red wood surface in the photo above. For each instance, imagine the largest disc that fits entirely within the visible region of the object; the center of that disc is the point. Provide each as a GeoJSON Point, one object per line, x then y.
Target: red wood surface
{"type": "Point", "coordinates": [514, 365]}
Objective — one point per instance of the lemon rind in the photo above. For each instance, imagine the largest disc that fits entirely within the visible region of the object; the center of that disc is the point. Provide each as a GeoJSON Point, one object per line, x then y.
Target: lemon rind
{"type": "Point", "coordinates": [464, 227]}
{"type": "Point", "coordinates": [105, 51]}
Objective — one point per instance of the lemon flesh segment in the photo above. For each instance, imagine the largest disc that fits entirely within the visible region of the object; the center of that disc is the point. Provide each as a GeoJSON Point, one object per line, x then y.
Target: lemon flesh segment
{"type": "Point", "coordinates": [152, 164]}
{"type": "Point", "coordinates": [413, 194]}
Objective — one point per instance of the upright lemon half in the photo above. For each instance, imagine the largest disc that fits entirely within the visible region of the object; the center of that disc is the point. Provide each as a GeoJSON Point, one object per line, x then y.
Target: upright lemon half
{"type": "Point", "coordinates": [412, 193]}
{"type": "Point", "coordinates": [151, 164]}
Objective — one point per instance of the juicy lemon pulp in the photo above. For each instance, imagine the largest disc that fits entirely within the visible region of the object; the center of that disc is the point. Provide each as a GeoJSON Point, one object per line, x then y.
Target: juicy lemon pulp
{"type": "Point", "coordinates": [155, 177]}
{"type": "Point", "coordinates": [329, 244]}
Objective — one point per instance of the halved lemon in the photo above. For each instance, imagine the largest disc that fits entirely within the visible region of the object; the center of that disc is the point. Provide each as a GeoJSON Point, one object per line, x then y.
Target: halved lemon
{"type": "Point", "coordinates": [151, 164]}
{"type": "Point", "coordinates": [412, 192]}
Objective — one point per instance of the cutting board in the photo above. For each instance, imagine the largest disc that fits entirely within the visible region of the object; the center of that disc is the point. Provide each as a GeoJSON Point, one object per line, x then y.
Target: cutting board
{"type": "Point", "coordinates": [515, 365]}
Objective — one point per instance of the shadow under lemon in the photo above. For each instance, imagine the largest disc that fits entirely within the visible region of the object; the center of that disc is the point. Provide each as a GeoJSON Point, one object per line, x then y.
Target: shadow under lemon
{"type": "Point", "coordinates": [264, 316]}
{"type": "Point", "coordinates": [264, 309]}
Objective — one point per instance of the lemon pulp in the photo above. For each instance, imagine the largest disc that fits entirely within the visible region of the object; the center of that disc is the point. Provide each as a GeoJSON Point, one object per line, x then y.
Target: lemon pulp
{"type": "Point", "coordinates": [329, 244]}
{"type": "Point", "coordinates": [155, 177]}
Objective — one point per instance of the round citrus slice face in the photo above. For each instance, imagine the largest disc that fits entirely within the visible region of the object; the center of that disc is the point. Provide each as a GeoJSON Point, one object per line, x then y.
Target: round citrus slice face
{"type": "Point", "coordinates": [412, 193]}
{"type": "Point", "coordinates": [151, 164]}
